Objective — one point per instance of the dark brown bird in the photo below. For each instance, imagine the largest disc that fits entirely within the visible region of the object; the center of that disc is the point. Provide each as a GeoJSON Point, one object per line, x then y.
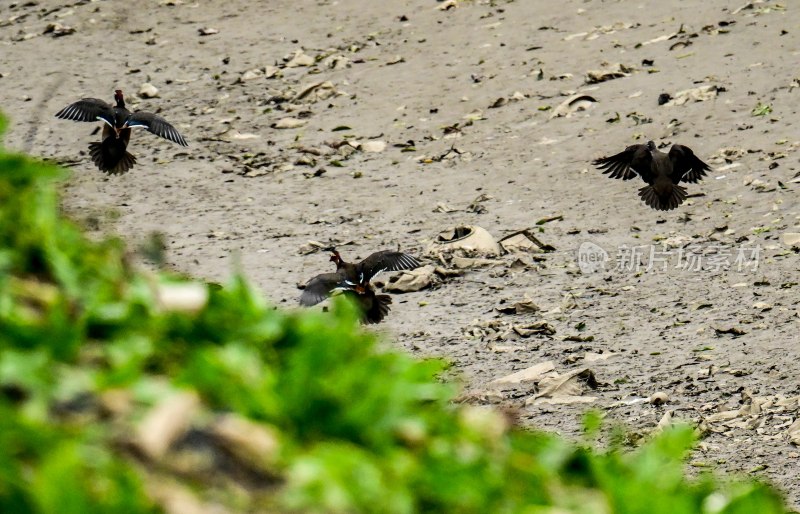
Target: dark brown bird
{"type": "Point", "coordinates": [111, 155]}
{"type": "Point", "coordinates": [661, 171]}
{"type": "Point", "coordinates": [364, 271]}
{"type": "Point", "coordinates": [374, 307]}
{"type": "Point", "coordinates": [353, 279]}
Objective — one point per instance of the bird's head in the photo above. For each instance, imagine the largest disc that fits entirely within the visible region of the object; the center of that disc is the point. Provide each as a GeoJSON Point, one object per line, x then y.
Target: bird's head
{"type": "Point", "coordinates": [335, 257]}
{"type": "Point", "coordinates": [119, 98]}
{"type": "Point", "coordinates": [651, 146]}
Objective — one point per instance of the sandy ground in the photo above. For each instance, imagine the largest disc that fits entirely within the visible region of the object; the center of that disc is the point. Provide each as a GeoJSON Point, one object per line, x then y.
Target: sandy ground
{"type": "Point", "coordinates": [720, 339]}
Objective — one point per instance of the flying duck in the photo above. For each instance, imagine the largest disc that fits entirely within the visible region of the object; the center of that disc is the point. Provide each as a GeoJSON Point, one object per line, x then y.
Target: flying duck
{"type": "Point", "coordinates": [374, 307]}
{"type": "Point", "coordinates": [661, 171]}
{"type": "Point", "coordinates": [353, 280]}
{"type": "Point", "coordinates": [111, 155]}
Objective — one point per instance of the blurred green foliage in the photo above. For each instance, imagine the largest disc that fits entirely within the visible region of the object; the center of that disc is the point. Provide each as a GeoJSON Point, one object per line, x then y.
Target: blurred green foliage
{"type": "Point", "coordinates": [361, 429]}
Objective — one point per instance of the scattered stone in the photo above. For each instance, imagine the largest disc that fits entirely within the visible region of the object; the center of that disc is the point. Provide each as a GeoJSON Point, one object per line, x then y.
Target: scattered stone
{"type": "Point", "coordinates": [166, 423]}
{"type": "Point", "coordinates": [58, 30]}
{"type": "Point", "coordinates": [659, 398]}
{"type": "Point", "coordinates": [790, 238]}
{"type": "Point", "coordinates": [148, 91]}
{"type": "Point", "coordinates": [299, 58]}
{"type": "Point", "coordinates": [288, 123]}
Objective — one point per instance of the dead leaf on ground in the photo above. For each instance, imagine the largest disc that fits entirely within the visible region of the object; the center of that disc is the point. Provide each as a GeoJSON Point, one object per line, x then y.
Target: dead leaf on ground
{"type": "Point", "coordinates": [734, 331]}
{"type": "Point", "coordinates": [524, 241]}
{"type": "Point", "coordinates": [697, 94]}
{"type": "Point", "coordinates": [58, 30]}
{"type": "Point", "coordinates": [794, 432]}
{"type": "Point", "coordinates": [572, 105]}
{"type": "Point", "coordinates": [535, 328]}
{"type": "Point", "coordinates": [444, 208]}
{"type": "Point", "coordinates": [598, 357]}
{"type": "Point", "coordinates": [565, 389]}
{"type": "Point", "coordinates": [412, 280]}
{"type": "Point", "coordinates": [316, 92]}
{"type": "Point", "coordinates": [476, 206]}
{"type": "Point", "coordinates": [665, 37]}
{"type": "Point", "coordinates": [535, 373]}
{"type": "Point", "coordinates": [610, 72]}
{"type": "Point", "coordinates": [524, 306]}
{"type": "Point", "coordinates": [473, 262]}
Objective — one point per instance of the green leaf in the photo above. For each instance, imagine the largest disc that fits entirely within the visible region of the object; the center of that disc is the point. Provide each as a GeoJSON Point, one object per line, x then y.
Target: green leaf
{"type": "Point", "coordinates": [761, 109]}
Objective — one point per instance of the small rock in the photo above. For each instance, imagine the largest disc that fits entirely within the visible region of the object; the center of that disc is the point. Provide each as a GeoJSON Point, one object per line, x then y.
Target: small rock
{"type": "Point", "coordinates": [762, 306]}
{"type": "Point", "coordinates": [165, 423]}
{"type": "Point", "coordinates": [271, 71]}
{"type": "Point", "coordinates": [288, 123]}
{"type": "Point", "coordinates": [253, 443]}
{"type": "Point", "coordinates": [58, 30]}
{"type": "Point", "coordinates": [659, 398]}
{"type": "Point", "coordinates": [148, 90]}
{"type": "Point", "coordinates": [187, 297]}
{"type": "Point", "coordinates": [252, 74]}
{"type": "Point", "coordinates": [373, 146]}
{"type": "Point", "coordinates": [791, 238]}
{"type": "Point", "coordinates": [300, 58]}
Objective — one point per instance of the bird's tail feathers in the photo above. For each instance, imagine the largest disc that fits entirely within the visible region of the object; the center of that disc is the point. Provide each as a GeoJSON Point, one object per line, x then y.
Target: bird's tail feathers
{"type": "Point", "coordinates": [111, 157]}
{"type": "Point", "coordinates": [666, 201]}
{"type": "Point", "coordinates": [379, 309]}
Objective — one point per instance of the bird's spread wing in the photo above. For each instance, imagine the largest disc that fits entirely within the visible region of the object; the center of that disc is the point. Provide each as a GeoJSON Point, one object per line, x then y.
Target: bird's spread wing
{"type": "Point", "coordinates": [88, 109]}
{"type": "Point", "coordinates": [386, 260]}
{"type": "Point", "coordinates": [157, 125]}
{"type": "Point", "coordinates": [319, 288]}
{"type": "Point", "coordinates": [686, 165]}
{"type": "Point", "coordinates": [626, 164]}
